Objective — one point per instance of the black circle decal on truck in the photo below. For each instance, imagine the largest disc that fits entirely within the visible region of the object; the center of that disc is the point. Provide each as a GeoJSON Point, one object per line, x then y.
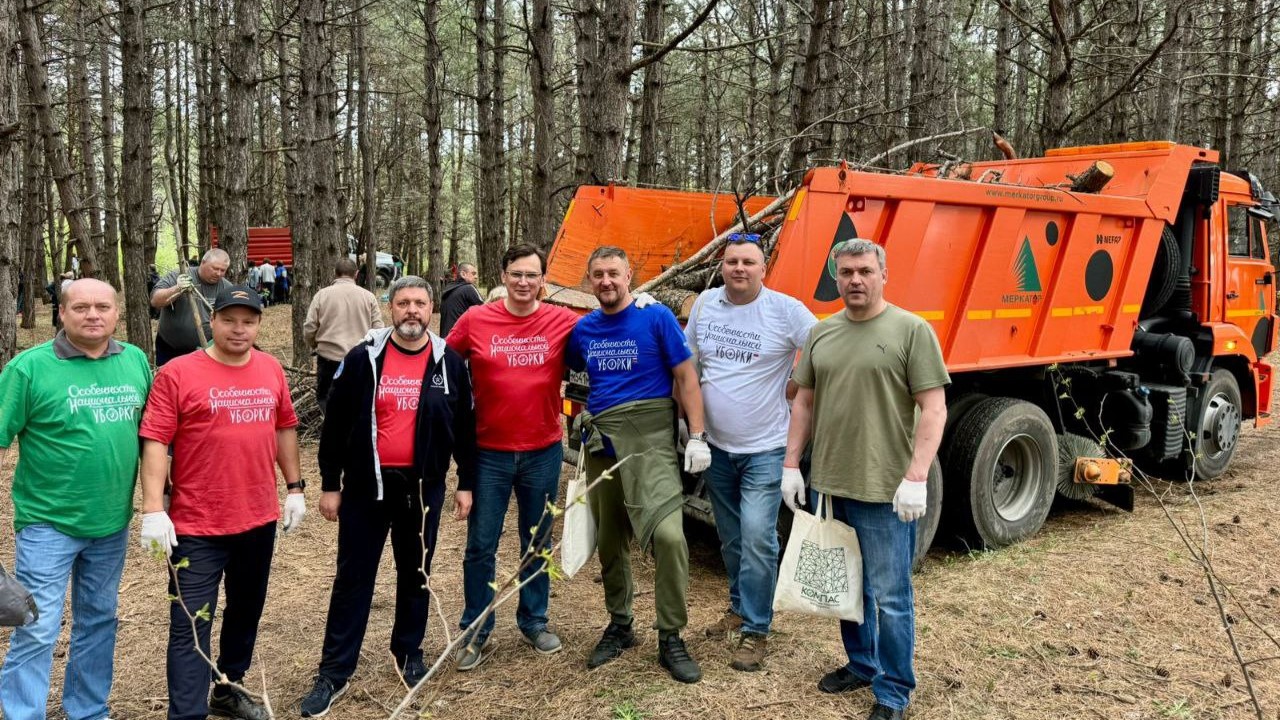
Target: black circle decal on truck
{"type": "Point", "coordinates": [1098, 274]}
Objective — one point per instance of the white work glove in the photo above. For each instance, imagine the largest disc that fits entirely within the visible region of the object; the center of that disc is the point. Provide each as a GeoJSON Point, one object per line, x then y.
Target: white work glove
{"type": "Point", "coordinates": [644, 299]}
{"type": "Point", "coordinates": [295, 508]}
{"type": "Point", "coordinates": [158, 533]}
{"type": "Point", "coordinates": [682, 434]}
{"type": "Point", "coordinates": [184, 282]}
{"type": "Point", "coordinates": [911, 500]}
{"type": "Point", "coordinates": [793, 491]}
{"type": "Point", "coordinates": [697, 456]}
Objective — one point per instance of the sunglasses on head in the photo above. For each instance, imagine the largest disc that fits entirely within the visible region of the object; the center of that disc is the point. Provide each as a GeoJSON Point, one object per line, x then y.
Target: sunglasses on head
{"type": "Point", "coordinates": [744, 238]}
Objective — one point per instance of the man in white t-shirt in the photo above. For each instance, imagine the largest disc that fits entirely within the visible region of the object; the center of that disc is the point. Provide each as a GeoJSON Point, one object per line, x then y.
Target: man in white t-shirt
{"type": "Point", "coordinates": [745, 338]}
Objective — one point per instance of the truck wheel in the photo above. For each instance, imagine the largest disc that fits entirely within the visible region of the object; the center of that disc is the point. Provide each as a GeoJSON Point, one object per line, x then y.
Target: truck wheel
{"type": "Point", "coordinates": [956, 410]}
{"type": "Point", "coordinates": [927, 526]}
{"type": "Point", "coordinates": [1002, 463]}
{"type": "Point", "coordinates": [383, 280]}
{"type": "Point", "coordinates": [1164, 275]}
{"type": "Point", "coordinates": [1218, 426]}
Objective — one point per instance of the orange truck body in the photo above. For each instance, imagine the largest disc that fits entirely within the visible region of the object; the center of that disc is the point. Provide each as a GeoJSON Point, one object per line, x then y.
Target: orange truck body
{"type": "Point", "coordinates": [1131, 321]}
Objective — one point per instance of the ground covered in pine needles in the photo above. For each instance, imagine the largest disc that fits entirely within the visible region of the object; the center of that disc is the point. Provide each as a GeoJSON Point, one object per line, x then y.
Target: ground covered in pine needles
{"type": "Point", "coordinates": [1103, 614]}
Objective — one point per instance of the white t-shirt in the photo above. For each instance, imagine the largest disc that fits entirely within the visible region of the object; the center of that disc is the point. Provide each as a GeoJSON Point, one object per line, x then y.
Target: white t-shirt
{"type": "Point", "coordinates": [745, 354]}
{"type": "Point", "coordinates": [268, 272]}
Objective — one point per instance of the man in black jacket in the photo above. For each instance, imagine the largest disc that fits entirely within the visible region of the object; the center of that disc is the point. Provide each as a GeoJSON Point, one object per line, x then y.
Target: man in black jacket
{"type": "Point", "coordinates": [400, 405]}
{"type": "Point", "coordinates": [458, 296]}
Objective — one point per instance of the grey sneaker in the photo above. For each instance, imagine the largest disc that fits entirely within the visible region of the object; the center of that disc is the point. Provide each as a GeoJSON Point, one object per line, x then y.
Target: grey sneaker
{"type": "Point", "coordinates": [470, 656]}
{"type": "Point", "coordinates": [544, 642]}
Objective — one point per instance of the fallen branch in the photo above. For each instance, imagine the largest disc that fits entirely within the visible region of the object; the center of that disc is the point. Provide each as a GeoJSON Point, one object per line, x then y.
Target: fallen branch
{"type": "Point", "coordinates": [918, 141]}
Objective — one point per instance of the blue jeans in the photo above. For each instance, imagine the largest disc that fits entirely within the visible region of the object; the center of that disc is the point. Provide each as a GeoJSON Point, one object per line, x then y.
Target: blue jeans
{"type": "Point", "coordinates": [880, 648]}
{"type": "Point", "coordinates": [46, 560]}
{"type": "Point", "coordinates": [534, 475]}
{"type": "Point", "coordinates": [745, 497]}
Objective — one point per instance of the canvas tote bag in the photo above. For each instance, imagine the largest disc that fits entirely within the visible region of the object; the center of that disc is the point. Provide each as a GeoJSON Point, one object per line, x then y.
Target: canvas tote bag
{"type": "Point", "coordinates": [578, 542]}
{"type": "Point", "coordinates": [821, 571]}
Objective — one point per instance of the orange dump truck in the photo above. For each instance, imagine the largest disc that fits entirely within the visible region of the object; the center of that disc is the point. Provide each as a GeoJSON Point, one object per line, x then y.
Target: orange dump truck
{"type": "Point", "coordinates": [1136, 316]}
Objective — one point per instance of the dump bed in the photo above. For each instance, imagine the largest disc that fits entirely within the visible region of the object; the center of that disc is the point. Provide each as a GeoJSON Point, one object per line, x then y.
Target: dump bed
{"type": "Point", "coordinates": [1009, 267]}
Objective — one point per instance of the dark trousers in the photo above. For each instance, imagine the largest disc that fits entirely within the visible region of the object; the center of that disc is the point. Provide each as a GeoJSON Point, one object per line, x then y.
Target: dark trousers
{"type": "Point", "coordinates": [325, 368]}
{"type": "Point", "coordinates": [166, 352]}
{"type": "Point", "coordinates": [362, 533]}
{"type": "Point", "coordinates": [243, 561]}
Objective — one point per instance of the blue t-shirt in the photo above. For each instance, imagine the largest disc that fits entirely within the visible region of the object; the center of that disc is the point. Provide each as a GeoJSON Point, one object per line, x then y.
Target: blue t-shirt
{"type": "Point", "coordinates": [629, 355]}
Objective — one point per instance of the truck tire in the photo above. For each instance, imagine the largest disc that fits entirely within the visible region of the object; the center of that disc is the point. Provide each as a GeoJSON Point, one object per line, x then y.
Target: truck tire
{"type": "Point", "coordinates": [1002, 465]}
{"type": "Point", "coordinates": [1218, 419]}
{"type": "Point", "coordinates": [383, 280]}
{"type": "Point", "coordinates": [1164, 275]}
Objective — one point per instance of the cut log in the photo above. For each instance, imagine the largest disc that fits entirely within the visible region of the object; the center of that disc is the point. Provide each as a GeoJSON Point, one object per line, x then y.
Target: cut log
{"type": "Point", "coordinates": [1094, 178]}
{"type": "Point", "coordinates": [679, 301]}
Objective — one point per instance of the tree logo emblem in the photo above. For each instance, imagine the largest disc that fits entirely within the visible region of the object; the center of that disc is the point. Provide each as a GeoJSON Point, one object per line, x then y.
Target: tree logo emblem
{"type": "Point", "coordinates": [1024, 268]}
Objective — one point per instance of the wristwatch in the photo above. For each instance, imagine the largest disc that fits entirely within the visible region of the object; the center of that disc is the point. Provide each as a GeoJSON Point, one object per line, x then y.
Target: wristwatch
{"type": "Point", "coordinates": [300, 485]}
{"type": "Point", "coordinates": [698, 436]}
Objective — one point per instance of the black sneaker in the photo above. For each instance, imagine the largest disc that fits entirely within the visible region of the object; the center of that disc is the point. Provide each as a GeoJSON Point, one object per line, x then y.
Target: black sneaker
{"type": "Point", "coordinates": [232, 702]}
{"type": "Point", "coordinates": [673, 656]}
{"type": "Point", "coordinates": [841, 680]}
{"type": "Point", "coordinates": [884, 712]}
{"type": "Point", "coordinates": [616, 638]}
{"type": "Point", "coordinates": [412, 671]}
{"type": "Point", "coordinates": [320, 699]}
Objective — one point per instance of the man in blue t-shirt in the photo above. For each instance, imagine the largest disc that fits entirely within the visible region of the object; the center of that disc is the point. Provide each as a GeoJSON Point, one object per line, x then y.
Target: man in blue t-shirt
{"type": "Point", "coordinates": [634, 358]}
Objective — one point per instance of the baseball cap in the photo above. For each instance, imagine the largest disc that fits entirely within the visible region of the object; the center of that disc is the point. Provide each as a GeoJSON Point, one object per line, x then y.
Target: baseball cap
{"type": "Point", "coordinates": [237, 295]}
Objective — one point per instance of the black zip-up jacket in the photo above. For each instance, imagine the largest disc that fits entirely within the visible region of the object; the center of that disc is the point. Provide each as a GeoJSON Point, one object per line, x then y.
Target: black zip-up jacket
{"type": "Point", "coordinates": [446, 420]}
{"type": "Point", "coordinates": [457, 298]}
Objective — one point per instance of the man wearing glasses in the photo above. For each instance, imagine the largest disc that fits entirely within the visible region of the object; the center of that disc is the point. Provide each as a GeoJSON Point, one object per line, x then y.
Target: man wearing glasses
{"type": "Point", "coordinates": [745, 337]}
{"type": "Point", "coordinates": [516, 350]}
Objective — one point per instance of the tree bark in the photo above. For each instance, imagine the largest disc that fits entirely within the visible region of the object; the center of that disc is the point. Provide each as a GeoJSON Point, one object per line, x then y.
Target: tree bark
{"type": "Point", "coordinates": [54, 145]}
{"type": "Point", "coordinates": [107, 119]}
{"type": "Point", "coordinates": [651, 95]}
{"type": "Point", "coordinates": [33, 190]}
{"type": "Point", "coordinates": [541, 222]}
{"type": "Point", "coordinates": [242, 84]}
{"type": "Point", "coordinates": [368, 177]}
{"type": "Point", "coordinates": [804, 77]}
{"type": "Point", "coordinates": [136, 170]}
{"type": "Point", "coordinates": [10, 190]}
{"type": "Point", "coordinates": [78, 79]}
{"type": "Point", "coordinates": [432, 110]}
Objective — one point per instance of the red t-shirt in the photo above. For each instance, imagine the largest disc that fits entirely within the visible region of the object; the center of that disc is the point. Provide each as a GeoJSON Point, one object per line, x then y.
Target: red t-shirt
{"type": "Point", "coordinates": [517, 365]}
{"type": "Point", "coordinates": [396, 404]}
{"type": "Point", "coordinates": [221, 421]}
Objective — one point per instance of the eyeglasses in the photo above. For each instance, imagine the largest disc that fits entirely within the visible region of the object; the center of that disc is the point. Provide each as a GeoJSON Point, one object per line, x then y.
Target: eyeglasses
{"type": "Point", "coordinates": [518, 276]}
{"type": "Point", "coordinates": [743, 238]}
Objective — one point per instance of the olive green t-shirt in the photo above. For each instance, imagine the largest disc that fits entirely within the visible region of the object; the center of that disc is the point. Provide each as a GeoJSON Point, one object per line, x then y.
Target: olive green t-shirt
{"type": "Point", "coordinates": [864, 375]}
{"type": "Point", "coordinates": [76, 420]}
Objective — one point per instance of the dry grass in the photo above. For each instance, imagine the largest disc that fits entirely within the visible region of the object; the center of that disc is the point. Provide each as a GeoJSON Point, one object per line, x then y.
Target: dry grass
{"type": "Point", "coordinates": [1101, 615]}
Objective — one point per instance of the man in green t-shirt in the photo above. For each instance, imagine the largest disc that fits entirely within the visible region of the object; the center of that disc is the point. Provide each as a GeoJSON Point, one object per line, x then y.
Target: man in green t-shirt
{"type": "Point", "coordinates": [862, 375]}
{"type": "Point", "coordinates": [74, 404]}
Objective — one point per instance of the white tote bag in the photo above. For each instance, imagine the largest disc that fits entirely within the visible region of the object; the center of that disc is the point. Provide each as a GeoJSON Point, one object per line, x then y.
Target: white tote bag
{"type": "Point", "coordinates": [579, 540]}
{"type": "Point", "coordinates": [821, 571]}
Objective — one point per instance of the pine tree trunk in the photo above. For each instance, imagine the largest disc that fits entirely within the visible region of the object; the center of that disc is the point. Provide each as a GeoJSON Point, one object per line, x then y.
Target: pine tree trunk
{"type": "Point", "coordinates": [540, 223]}
{"type": "Point", "coordinates": [78, 77]}
{"type": "Point", "coordinates": [242, 83]}
{"type": "Point", "coordinates": [368, 227]}
{"type": "Point", "coordinates": [33, 264]}
{"type": "Point", "coordinates": [10, 189]}
{"type": "Point", "coordinates": [135, 167]}
{"type": "Point", "coordinates": [651, 95]}
{"type": "Point", "coordinates": [432, 110]}
{"type": "Point", "coordinates": [110, 189]}
{"type": "Point", "coordinates": [54, 145]}
{"type": "Point", "coordinates": [804, 77]}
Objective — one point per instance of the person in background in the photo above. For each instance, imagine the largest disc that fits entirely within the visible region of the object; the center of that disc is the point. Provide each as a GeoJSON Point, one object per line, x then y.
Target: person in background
{"type": "Point", "coordinates": [282, 284]}
{"type": "Point", "coordinates": [267, 272]}
{"type": "Point", "coordinates": [338, 318]}
{"type": "Point", "coordinates": [177, 333]}
{"type": "Point", "coordinates": [73, 403]}
{"type": "Point", "coordinates": [458, 296]}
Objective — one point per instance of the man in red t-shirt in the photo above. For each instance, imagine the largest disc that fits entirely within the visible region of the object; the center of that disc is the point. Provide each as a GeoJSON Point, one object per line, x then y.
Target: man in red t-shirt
{"type": "Point", "coordinates": [516, 350]}
{"type": "Point", "coordinates": [399, 408]}
{"type": "Point", "coordinates": [226, 414]}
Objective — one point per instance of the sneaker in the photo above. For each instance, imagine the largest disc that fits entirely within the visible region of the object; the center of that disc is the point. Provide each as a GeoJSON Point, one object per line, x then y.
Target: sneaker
{"type": "Point", "coordinates": [673, 656]}
{"type": "Point", "coordinates": [320, 699]}
{"type": "Point", "coordinates": [470, 656]}
{"type": "Point", "coordinates": [412, 671]}
{"type": "Point", "coordinates": [749, 657]}
{"type": "Point", "coordinates": [884, 712]}
{"type": "Point", "coordinates": [232, 702]}
{"type": "Point", "coordinates": [544, 642]}
{"type": "Point", "coordinates": [616, 638]}
{"type": "Point", "coordinates": [841, 680]}
{"type": "Point", "coordinates": [729, 623]}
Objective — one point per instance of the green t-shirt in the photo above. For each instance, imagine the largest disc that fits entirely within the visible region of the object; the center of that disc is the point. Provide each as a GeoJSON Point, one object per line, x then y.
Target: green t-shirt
{"type": "Point", "coordinates": [864, 376]}
{"type": "Point", "coordinates": [76, 420]}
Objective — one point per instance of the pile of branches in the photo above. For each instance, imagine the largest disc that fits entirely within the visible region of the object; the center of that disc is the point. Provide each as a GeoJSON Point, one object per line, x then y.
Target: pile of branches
{"type": "Point", "coordinates": [302, 388]}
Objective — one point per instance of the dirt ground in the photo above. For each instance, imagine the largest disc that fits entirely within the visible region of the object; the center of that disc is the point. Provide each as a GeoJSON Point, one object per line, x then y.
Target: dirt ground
{"type": "Point", "coordinates": [1103, 614]}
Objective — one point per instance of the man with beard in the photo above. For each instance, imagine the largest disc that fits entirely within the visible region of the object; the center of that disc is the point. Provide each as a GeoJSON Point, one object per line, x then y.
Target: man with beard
{"type": "Point", "coordinates": [863, 374]}
{"type": "Point", "coordinates": [228, 401]}
{"type": "Point", "coordinates": [633, 358]}
{"type": "Point", "coordinates": [73, 403]}
{"type": "Point", "coordinates": [399, 407]}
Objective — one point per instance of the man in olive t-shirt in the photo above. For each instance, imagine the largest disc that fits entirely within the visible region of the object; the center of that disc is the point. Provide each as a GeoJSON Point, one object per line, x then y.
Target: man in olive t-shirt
{"type": "Point", "coordinates": [862, 374]}
{"type": "Point", "coordinates": [74, 404]}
